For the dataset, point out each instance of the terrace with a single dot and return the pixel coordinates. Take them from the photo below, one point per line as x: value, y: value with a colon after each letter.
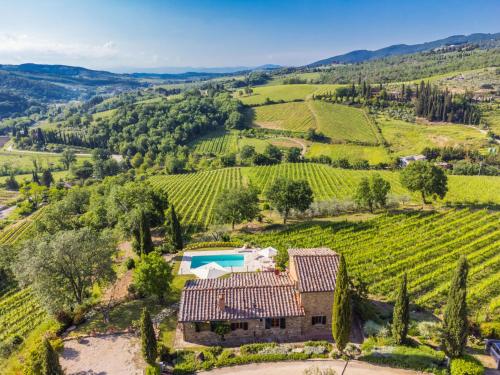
x: 233, y: 260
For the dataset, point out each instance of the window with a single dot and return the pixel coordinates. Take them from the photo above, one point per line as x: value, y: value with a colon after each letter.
x: 239, y: 325
x: 275, y: 322
x: 202, y: 326
x: 320, y: 319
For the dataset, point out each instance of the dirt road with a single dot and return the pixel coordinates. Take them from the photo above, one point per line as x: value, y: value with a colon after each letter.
x: 298, y: 367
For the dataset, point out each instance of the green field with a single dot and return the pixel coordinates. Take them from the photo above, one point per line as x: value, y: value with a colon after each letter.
x: 342, y: 123
x: 286, y: 93
x: 406, y: 138
x: 490, y: 115
x: 288, y: 116
x: 216, y: 143
x: 194, y: 194
x: 22, y: 162
x: 374, y: 154
x: 424, y: 245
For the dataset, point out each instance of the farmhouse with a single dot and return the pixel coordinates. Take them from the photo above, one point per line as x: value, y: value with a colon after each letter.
x: 263, y: 306
x: 406, y: 160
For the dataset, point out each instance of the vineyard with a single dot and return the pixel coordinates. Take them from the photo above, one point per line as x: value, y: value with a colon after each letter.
x: 424, y: 245
x: 216, y: 144
x: 20, y: 311
x: 343, y: 123
x: 351, y: 152
x: 294, y: 116
x: 194, y: 195
x: 7, y: 196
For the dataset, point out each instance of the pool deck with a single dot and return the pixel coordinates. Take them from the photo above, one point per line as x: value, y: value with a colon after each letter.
x: 253, y: 261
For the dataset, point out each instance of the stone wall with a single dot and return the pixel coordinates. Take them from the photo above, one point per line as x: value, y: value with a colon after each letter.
x: 256, y: 332
x: 317, y: 304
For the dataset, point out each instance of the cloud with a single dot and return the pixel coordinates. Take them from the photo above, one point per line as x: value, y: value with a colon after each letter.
x: 18, y: 48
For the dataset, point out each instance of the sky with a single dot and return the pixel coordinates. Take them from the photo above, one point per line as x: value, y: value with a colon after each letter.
x: 137, y: 35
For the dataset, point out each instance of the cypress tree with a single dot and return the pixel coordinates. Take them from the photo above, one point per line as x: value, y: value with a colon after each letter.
x: 50, y: 360
x: 143, y: 243
x: 148, y: 338
x: 35, y: 177
x: 175, y: 229
x: 341, y: 312
x: 455, y: 315
x: 401, y: 315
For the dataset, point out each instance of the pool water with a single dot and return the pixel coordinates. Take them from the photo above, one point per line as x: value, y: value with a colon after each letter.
x: 228, y: 260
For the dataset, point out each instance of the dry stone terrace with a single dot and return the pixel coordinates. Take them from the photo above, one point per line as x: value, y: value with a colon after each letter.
x: 277, y: 306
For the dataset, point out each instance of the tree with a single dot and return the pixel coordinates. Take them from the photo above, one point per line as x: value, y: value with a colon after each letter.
x: 68, y: 158
x: 175, y: 229
x: 285, y: 195
x: 50, y: 360
x: 47, y: 178
x: 426, y: 178
x: 380, y: 188
x: 401, y: 315
x: 62, y: 268
x: 293, y: 155
x: 273, y: 153
x: 455, y: 322
x: 364, y: 196
x: 237, y: 205
x: 341, y: 312
x: 152, y: 276
x: 141, y: 232
x: 148, y: 338
x: 11, y: 183
x: 247, y: 152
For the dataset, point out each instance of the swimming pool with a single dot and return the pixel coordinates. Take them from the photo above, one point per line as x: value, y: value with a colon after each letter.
x: 224, y: 260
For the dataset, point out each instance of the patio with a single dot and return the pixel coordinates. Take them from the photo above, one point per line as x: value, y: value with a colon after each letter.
x: 254, y: 260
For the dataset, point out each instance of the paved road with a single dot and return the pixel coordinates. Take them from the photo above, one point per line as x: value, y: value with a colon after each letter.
x: 298, y: 367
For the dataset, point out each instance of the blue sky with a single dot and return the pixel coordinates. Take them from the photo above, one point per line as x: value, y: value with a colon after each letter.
x: 129, y: 34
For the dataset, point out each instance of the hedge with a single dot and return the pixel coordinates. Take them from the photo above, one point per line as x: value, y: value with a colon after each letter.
x: 467, y: 365
x: 200, y: 245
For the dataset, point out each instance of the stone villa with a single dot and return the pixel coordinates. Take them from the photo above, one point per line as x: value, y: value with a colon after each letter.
x: 264, y: 306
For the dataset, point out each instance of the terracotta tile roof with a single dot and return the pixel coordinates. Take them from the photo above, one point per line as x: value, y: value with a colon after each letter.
x: 316, y: 269
x: 246, y: 296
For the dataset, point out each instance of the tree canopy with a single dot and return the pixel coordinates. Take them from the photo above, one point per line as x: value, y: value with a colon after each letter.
x: 425, y: 178
x: 237, y: 205
x: 285, y: 195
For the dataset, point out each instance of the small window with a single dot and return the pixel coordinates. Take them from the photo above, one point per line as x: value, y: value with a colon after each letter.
x: 320, y: 319
x: 275, y: 323
x: 239, y: 325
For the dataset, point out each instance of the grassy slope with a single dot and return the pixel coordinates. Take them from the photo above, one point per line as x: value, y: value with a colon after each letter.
x: 342, y: 123
x: 24, y: 160
x: 374, y: 154
x: 284, y: 92
x: 288, y: 116
x: 407, y: 138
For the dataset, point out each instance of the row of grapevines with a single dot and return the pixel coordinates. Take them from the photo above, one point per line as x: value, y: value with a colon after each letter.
x: 423, y: 245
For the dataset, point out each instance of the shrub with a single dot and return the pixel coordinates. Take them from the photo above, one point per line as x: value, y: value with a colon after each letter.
x: 65, y: 318
x: 279, y: 349
x: 490, y: 330
x: 255, y: 348
x: 153, y: 370
x: 370, y: 328
x: 466, y: 365
x: 314, y: 370
x: 199, y: 245
x: 323, y: 343
x: 428, y: 330
x: 130, y: 263
x: 319, y: 349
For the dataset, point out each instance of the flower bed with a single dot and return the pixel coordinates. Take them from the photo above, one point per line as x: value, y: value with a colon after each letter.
x: 187, y: 362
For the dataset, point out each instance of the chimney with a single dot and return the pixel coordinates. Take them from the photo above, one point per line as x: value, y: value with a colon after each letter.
x: 221, y: 303
x: 276, y: 271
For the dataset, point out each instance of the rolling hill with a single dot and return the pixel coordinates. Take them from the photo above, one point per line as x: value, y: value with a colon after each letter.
x: 405, y: 49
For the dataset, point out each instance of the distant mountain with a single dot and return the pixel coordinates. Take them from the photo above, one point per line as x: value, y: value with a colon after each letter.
x: 176, y: 70
x: 404, y: 49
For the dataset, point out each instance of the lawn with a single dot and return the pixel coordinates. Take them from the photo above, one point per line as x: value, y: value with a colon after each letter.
x: 342, y: 123
x: 407, y: 138
x: 288, y: 116
x: 374, y: 154
x: 286, y: 93
x: 22, y: 162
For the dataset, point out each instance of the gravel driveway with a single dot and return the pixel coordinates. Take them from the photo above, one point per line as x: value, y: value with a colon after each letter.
x: 298, y: 367
x: 103, y: 355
